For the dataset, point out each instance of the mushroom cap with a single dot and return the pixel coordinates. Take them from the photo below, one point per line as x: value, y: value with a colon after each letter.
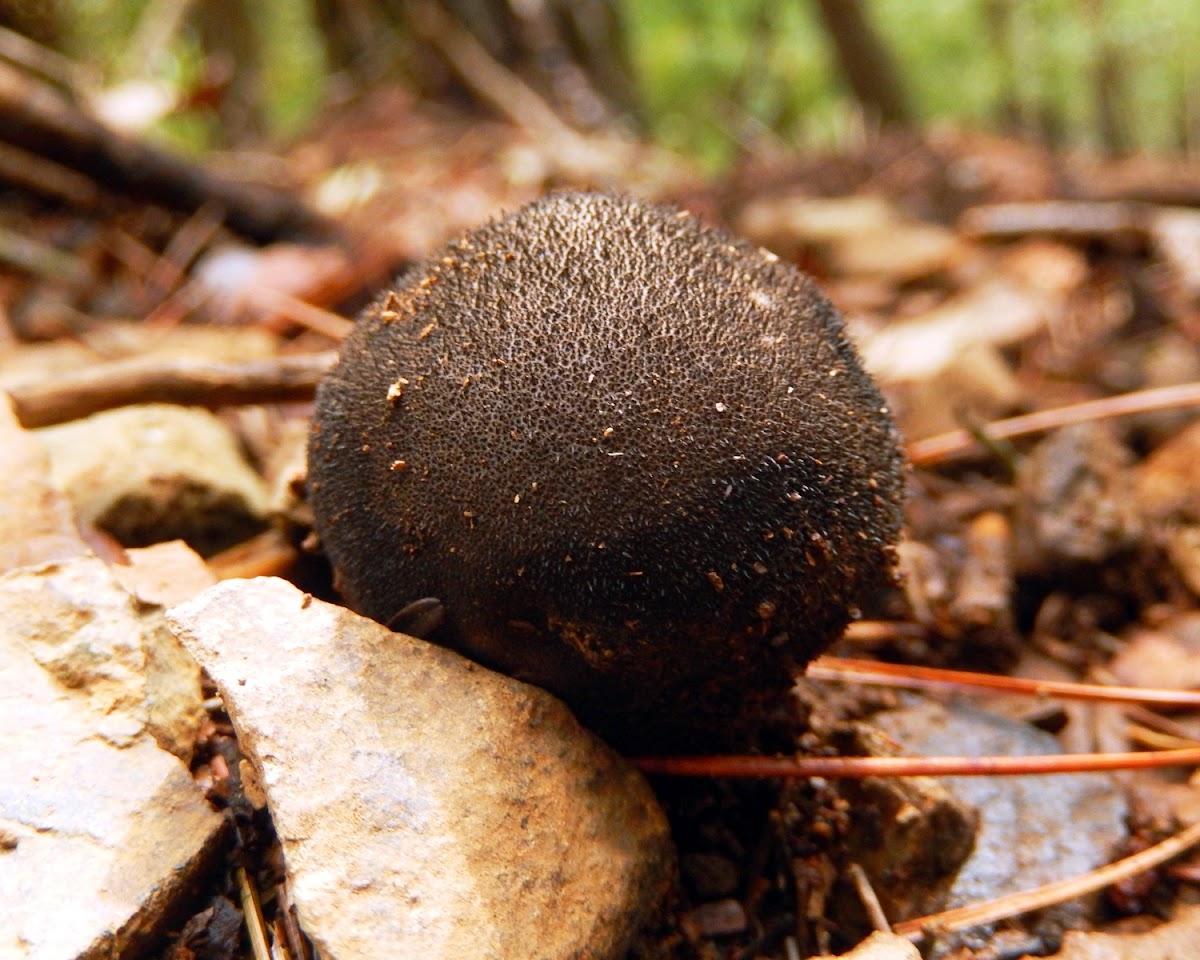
x: 635, y: 458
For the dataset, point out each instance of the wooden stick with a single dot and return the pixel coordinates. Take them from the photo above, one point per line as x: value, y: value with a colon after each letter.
x: 1071, y: 219
x: 38, y: 118
x: 70, y: 396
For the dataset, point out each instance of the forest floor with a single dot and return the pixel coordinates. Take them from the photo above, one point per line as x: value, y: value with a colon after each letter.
x: 982, y: 279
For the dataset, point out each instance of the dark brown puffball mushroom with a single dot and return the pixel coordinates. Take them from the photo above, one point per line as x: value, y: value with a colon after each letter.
x: 634, y: 459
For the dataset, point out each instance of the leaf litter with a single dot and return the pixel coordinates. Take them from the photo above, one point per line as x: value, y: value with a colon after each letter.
x: 1072, y: 553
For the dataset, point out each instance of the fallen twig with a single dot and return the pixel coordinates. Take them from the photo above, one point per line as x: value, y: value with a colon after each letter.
x: 40, y: 119
x: 156, y: 380
x: 20, y: 251
x: 1070, y: 219
x: 868, y: 897
x: 300, y: 312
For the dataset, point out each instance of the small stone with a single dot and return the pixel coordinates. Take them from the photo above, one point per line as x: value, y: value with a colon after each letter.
x: 709, y: 875
x: 879, y: 946
x: 1032, y: 829
x: 721, y: 918
x: 1077, y: 503
x: 158, y: 472
x: 910, y: 834
x: 422, y: 801
x: 112, y: 650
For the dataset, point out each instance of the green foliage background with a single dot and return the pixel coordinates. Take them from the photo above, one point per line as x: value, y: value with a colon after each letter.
x: 716, y: 74
x: 717, y: 77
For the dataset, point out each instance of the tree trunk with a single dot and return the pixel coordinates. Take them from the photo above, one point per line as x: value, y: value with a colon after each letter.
x: 866, y: 62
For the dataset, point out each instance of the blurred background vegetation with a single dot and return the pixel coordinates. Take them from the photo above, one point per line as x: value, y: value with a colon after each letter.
x: 712, y: 80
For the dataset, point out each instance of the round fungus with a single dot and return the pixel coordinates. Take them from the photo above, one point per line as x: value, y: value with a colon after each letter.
x: 634, y: 459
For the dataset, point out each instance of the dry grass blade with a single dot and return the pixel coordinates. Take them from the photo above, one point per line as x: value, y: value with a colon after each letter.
x: 1002, y: 907
x: 914, y: 677
x: 255, y: 926
x: 304, y: 314
x: 946, y: 446
x: 867, y: 897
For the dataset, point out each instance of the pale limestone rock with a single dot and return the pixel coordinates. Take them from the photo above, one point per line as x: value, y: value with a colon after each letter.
x: 427, y: 807
x: 164, y: 574
x: 157, y: 472
x: 879, y: 946
x: 1172, y: 940
x: 36, y: 522
x: 100, y: 840
x: 157, y: 577
x: 111, y: 650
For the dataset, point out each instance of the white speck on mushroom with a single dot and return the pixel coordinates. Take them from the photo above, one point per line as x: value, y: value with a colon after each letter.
x: 396, y: 390
x: 720, y: 407
x: 760, y: 299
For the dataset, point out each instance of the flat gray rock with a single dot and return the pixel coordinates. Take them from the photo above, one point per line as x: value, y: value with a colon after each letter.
x: 1033, y: 829
x: 427, y: 807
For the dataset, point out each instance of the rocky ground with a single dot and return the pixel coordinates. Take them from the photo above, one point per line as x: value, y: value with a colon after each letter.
x: 323, y: 783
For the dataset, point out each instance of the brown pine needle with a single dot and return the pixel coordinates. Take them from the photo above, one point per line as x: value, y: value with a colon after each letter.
x: 990, y: 911
x: 859, y: 767
x: 945, y: 446
x: 914, y: 677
